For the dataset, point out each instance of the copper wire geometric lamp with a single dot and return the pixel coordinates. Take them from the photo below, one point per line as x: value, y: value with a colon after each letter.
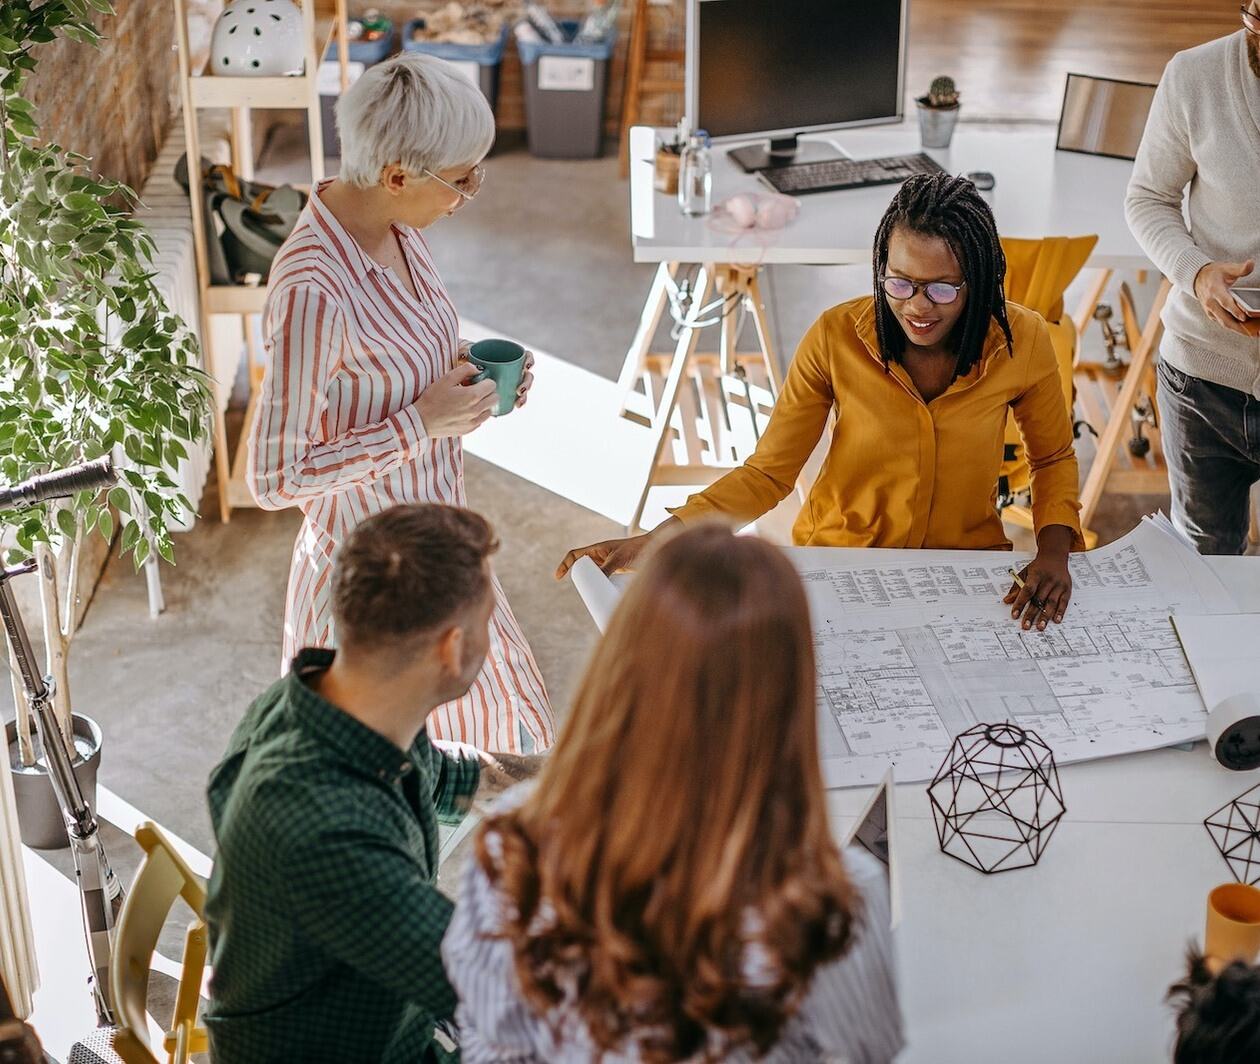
x: 1235, y: 829
x: 996, y: 798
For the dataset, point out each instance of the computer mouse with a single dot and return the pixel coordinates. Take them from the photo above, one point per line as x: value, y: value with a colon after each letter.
x: 982, y: 179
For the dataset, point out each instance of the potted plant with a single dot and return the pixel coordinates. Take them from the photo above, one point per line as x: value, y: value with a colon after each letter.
x: 938, y: 113
x: 92, y: 362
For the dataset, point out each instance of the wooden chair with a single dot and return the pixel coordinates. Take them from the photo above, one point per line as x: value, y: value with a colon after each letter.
x: 1038, y: 272
x: 163, y: 877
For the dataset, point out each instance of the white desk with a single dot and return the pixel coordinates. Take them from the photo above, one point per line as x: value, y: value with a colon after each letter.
x: 1068, y: 960
x: 1039, y: 192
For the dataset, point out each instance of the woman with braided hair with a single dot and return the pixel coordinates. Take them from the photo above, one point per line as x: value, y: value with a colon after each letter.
x: 920, y: 376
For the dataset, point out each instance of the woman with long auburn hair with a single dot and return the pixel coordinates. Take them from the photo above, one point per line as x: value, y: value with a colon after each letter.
x: 668, y: 889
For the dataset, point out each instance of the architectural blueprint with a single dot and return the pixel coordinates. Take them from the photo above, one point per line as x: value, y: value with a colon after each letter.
x: 914, y: 647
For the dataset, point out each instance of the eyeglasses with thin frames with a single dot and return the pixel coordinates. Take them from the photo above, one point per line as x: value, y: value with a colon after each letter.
x: 941, y: 293
x: 1250, y: 20
x: 467, y: 186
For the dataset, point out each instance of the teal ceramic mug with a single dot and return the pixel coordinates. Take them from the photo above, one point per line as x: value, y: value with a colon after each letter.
x: 503, y: 362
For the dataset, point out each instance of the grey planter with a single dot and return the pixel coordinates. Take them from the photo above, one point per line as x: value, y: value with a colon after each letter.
x: 936, y: 125
x: 39, y: 817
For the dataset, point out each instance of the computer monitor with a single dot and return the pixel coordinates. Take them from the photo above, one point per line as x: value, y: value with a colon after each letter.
x: 758, y: 70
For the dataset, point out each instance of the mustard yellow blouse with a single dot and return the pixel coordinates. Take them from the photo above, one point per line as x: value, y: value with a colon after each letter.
x: 900, y: 472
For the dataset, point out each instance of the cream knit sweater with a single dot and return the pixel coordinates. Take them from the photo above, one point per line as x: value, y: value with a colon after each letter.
x: 1203, y: 132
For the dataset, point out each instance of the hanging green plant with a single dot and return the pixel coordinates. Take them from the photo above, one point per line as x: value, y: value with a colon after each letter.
x: 91, y: 358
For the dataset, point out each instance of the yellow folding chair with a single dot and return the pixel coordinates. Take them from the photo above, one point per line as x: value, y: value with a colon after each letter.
x: 164, y: 876
x: 1038, y: 272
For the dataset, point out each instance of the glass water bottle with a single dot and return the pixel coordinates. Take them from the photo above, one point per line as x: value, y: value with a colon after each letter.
x: 695, y: 175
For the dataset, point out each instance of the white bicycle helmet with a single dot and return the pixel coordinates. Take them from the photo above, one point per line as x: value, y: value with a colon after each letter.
x: 258, y: 38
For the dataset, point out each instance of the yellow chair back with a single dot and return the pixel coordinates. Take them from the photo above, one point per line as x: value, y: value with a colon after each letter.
x: 164, y: 876
x: 1038, y: 272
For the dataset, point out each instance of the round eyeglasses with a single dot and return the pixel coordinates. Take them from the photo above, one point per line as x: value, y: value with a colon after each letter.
x: 467, y: 186
x: 1250, y: 20
x: 939, y: 292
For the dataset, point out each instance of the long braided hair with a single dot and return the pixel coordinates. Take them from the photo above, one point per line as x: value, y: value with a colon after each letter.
x: 949, y: 207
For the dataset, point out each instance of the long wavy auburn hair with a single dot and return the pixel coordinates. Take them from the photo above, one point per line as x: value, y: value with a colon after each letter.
x: 672, y: 879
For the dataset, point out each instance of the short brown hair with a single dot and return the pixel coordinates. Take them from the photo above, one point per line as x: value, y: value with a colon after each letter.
x: 409, y: 570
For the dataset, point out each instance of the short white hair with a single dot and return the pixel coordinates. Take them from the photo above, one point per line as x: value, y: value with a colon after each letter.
x: 414, y: 110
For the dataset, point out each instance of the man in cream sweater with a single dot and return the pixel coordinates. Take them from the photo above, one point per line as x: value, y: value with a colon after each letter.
x: 1201, y: 151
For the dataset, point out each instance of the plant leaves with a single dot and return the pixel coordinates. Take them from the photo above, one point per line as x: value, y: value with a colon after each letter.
x: 65, y: 522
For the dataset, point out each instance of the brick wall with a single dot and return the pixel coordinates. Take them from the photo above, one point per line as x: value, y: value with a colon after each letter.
x: 112, y: 104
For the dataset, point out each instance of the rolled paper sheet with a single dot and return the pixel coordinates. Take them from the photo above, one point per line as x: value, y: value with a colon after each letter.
x: 597, y: 591
x: 1233, y: 924
x: 1233, y: 731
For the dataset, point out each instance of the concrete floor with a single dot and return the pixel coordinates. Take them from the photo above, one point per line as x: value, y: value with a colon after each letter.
x: 542, y: 254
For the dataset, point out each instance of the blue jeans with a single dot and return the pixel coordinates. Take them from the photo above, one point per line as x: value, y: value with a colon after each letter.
x: 1211, y: 437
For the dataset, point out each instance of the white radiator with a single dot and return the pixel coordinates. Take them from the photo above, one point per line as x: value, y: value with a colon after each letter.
x: 166, y: 214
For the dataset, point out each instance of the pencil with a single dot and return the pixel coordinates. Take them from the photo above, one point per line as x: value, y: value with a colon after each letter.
x: 1019, y: 582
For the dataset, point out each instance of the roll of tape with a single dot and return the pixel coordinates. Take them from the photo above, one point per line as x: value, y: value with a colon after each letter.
x: 1233, y: 731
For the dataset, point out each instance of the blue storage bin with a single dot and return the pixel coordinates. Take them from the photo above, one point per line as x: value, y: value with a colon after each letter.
x: 565, y: 87
x: 487, y: 57
x: 366, y: 52
x: 531, y: 51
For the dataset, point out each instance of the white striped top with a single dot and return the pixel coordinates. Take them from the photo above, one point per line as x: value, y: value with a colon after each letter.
x: 337, y: 430
x: 850, y: 1012
x: 337, y: 434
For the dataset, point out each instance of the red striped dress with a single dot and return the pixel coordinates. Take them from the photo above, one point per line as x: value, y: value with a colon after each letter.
x: 337, y: 435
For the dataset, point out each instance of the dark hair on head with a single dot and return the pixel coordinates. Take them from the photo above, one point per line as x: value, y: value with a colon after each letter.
x: 1218, y: 1017
x: 407, y: 571
x: 948, y: 207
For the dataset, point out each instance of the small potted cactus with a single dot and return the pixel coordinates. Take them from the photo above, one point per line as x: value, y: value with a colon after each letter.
x: 938, y: 113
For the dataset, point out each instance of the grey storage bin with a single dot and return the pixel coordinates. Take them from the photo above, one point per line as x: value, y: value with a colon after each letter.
x: 565, y: 88
x: 361, y: 55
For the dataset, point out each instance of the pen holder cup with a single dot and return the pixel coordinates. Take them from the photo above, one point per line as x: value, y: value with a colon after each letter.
x: 665, y: 177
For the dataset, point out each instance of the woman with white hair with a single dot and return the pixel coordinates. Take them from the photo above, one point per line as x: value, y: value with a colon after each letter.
x: 366, y: 393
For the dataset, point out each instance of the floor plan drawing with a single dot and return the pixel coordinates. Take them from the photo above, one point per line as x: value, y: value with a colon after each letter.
x: 909, y: 655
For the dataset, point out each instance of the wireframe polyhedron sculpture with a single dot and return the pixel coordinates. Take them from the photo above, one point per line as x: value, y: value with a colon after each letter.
x: 996, y: 798
x: 1235, y: 829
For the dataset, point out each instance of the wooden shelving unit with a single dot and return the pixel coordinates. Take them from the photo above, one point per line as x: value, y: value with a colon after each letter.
x: 322, y: 22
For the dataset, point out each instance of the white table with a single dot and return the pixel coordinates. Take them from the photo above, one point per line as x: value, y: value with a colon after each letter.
x: 1068, y: 960
x: 1039, y: 192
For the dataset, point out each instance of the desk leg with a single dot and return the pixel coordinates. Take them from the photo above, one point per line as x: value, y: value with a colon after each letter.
x: 663, y: 415
x: 762, y: 323
x: 649, y: 321
x: 1134, y: 379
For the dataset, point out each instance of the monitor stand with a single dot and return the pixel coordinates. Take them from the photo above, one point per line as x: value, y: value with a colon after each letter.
x: 789, y: 151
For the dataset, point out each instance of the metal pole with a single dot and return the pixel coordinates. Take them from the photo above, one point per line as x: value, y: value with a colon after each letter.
x: 100, y: 892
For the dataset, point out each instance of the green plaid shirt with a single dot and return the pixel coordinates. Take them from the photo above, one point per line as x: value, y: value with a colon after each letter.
x: 325, y: 925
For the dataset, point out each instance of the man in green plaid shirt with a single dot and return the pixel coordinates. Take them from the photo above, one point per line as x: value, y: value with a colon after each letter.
x: 325, y: 925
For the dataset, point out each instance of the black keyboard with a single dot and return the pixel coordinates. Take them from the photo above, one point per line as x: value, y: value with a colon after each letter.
x: 802, y: 178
